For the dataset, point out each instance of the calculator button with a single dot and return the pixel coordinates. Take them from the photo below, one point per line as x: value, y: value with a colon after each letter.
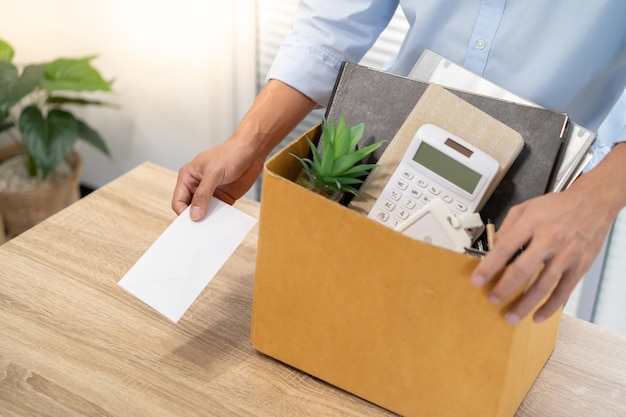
x: 426, y: 199
x: 415, y: 193
x: 460, y: 206
x: 396, y: 195
x: 434, y: 190
x: 447, y: 198
x: 422, y: 182
x: 389, y: 205
x: 407, y: 174
x: 408, y: 203
x: 382, y: 216
x: 402, y: 184
x: 403, y: 214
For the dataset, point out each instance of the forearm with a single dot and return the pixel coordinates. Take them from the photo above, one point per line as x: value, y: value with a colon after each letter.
x: 606, y: 183
x: 276, y: 111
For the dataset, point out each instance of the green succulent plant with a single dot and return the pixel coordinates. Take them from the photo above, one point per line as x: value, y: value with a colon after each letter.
x: 337, y: 168
x: 32, y: 105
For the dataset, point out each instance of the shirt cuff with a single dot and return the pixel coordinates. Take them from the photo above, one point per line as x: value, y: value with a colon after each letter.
x: 310, y: 69
x: 621, y: 138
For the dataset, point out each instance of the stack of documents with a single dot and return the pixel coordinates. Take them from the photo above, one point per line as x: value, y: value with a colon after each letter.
x: 433, y: 68
x: 384, y: 102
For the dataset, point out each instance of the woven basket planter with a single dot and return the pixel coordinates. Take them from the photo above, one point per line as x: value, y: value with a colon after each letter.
x: 22, y: 209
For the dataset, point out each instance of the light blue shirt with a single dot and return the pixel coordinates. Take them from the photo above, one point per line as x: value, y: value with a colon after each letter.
x: 565, y: 55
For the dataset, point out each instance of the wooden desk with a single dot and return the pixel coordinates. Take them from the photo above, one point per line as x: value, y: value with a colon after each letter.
x: 73, y: 343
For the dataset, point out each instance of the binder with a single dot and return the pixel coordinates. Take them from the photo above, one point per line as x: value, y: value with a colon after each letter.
x: 383, y: 101
x: 434, y: 68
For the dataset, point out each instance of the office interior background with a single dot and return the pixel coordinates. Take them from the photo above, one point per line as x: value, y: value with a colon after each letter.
x: 184, y: 76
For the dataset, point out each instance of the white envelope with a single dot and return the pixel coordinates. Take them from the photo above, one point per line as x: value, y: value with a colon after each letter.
x: 172, y: 273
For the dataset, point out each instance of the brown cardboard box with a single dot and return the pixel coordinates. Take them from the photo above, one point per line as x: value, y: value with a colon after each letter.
x: 387, y: 318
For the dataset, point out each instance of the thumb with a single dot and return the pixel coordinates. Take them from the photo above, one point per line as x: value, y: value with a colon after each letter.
x: 201, y: 198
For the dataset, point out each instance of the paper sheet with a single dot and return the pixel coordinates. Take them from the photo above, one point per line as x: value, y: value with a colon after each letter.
x: 172, y: 273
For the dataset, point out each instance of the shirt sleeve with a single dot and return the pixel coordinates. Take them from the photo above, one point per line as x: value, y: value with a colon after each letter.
x: 324, y: 34
x: 611, y: 132
x: 621, y: 137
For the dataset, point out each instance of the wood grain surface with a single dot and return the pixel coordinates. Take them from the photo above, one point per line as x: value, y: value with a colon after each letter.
x: 74, y: 343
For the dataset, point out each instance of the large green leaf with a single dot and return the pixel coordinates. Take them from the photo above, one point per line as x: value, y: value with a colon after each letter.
x: 73, y: 75
x: 26, y: 84
x: 14, y: 88
x: 8, y: 73
x: 92, y: 137
x: 60, y: 100
x: 6, y: 51
x: 48, y: 140
x: 8, y: 76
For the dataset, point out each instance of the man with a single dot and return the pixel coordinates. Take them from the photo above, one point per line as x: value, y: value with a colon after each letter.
x: 565, y: 55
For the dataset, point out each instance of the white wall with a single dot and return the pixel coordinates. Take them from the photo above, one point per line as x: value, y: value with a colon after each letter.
x: 184, y: 71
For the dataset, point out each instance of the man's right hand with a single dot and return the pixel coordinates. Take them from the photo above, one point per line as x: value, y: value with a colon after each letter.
x: 230, y: 169
x: 226, y: 172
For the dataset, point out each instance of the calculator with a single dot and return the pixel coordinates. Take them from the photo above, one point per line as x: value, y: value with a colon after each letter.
x: 436, y: 164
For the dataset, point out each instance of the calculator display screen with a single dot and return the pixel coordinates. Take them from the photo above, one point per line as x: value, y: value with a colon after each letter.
x: 447, y: 167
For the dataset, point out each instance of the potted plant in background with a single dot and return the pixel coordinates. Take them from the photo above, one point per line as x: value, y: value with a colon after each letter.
x: 40, y: 170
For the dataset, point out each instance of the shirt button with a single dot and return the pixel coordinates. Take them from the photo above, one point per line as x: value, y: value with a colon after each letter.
x: 480, y: 44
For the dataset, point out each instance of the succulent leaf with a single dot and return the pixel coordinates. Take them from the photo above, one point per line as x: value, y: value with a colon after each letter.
x: 328, y: 158
x: 348, y: 180
x: 334, y: 165
x: 359, y: 170
x: 342, y: 132
x: 306, y: 164
x: 368, y: 149
x: 317, y: 158
x: 342, y: 143
x: 357, y: 134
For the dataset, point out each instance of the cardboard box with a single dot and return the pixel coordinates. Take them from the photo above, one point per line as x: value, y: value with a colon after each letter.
x: 387, y: 318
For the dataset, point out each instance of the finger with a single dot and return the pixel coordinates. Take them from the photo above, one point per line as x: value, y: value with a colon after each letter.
x: 560, y: 294
x: 500, y: 255
x: 545, y: 284
x: 200, y: 204
x: 553, y: 285
x: 212, y: 178
x: 519, y: 272
x: 183, y: 192
x: 230, y: 193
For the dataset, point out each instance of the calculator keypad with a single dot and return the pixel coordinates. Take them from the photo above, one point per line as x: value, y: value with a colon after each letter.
x: 406, y: 193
